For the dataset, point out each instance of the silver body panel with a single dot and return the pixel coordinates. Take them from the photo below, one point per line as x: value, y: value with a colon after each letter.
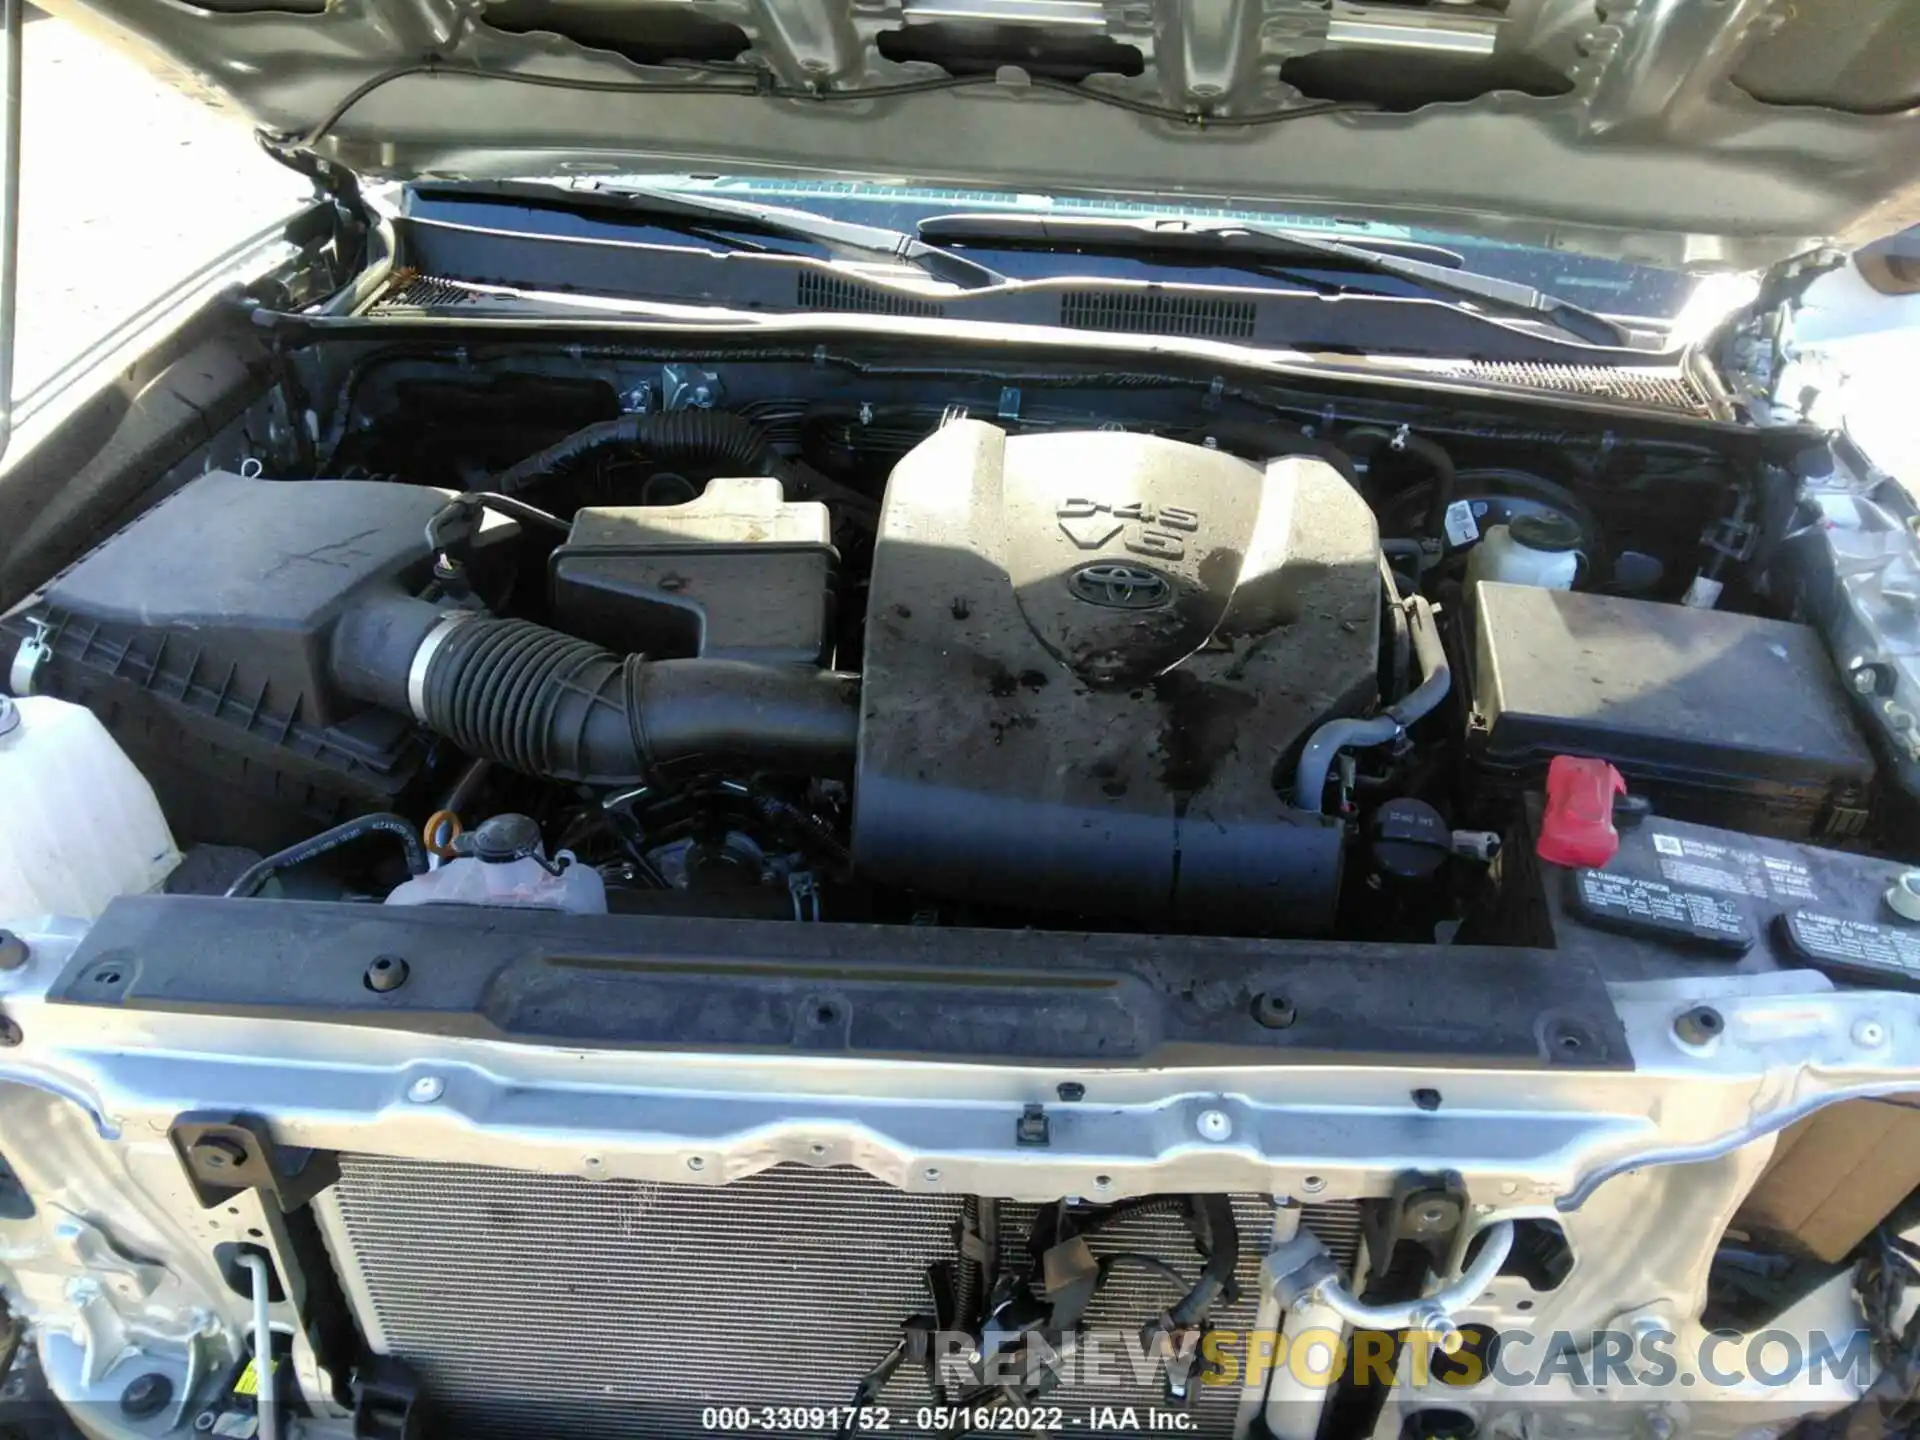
x: 1641, y: 1168
x: 1644, y: 138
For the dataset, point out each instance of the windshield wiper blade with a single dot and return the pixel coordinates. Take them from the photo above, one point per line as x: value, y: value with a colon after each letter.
x: 1203, y: 237
x: 844, y: 235
x: 700, y: 215
x: 1431, y: 268
x: 1487, y: 291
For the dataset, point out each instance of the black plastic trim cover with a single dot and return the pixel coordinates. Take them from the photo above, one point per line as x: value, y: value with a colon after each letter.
x: 857, y: 990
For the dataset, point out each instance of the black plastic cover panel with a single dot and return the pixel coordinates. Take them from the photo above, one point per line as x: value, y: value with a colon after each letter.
x: 1721, y: 718
x: 255, y: 571
x: 918, y: 992
x: 1088, y: 657
x: 737, y: 573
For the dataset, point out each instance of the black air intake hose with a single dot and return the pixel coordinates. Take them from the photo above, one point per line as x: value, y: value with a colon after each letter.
x: 550, y: 705
x: 704, y: 438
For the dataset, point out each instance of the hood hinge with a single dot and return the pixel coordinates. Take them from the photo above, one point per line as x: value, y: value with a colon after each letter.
x: 337, y: 189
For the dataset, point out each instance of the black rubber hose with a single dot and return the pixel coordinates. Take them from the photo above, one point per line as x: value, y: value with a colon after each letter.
x: 1215, y: 1232
x: 1222, y: 1238
x: 457, y: 521
x: 1438, y: 462
x: 314, y: 846
x: 705, y: 438
x: 547, y: 704
x: 1258, y: 441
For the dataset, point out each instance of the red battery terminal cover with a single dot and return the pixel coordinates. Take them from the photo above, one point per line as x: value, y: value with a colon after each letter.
x: 1578, y: 827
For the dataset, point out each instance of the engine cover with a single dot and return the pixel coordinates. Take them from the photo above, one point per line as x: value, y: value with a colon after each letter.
x: 1090, y: 656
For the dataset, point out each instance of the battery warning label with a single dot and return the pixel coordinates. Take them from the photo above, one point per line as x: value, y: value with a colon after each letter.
x: 1831, y: 940
x: 1732, y: 870
x: 1648, y: 907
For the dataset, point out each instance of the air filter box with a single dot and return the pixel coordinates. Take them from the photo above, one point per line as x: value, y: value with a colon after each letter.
x: 1724, y: 719
x: 199, y: 636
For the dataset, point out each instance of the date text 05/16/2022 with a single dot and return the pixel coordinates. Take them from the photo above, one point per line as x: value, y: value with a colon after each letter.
x: 878, y: 1419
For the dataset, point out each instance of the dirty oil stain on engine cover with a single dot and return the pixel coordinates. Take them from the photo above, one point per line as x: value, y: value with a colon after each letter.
x: 1087, y: 657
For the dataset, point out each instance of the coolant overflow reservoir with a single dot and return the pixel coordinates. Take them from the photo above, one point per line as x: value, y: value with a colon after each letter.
x: 78, y: 823
x: 501, y: 864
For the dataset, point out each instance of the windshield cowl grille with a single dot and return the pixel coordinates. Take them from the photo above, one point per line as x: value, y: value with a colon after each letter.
x: 817, y: 290
x: 1154, y: 312
x: 1654, y: 389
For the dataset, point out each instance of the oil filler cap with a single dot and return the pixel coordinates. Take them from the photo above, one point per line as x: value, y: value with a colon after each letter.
x: 1409, y: 839
x: 1578, y: 826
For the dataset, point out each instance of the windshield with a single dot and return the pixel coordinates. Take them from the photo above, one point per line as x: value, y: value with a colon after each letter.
x: 1607, y: 286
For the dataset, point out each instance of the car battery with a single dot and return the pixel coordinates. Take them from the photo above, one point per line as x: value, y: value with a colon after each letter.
x: 1680, y: 899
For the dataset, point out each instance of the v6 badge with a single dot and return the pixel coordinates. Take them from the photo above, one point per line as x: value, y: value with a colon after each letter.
x: 1141, y: 528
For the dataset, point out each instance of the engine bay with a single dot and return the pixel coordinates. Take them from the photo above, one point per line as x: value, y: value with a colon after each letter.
x: 1091, y: 660
x: 1225, y: 862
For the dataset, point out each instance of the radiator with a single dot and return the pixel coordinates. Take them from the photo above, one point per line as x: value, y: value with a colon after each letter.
x: 550, y: 1305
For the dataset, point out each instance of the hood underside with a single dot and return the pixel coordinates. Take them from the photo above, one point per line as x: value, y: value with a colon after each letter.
x: 1705, y: 133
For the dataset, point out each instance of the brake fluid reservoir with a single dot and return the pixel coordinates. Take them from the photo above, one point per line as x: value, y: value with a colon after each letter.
x: 78, y: 823
x: 1534, y: 549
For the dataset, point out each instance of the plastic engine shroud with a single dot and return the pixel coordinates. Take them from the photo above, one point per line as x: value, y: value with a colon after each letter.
x: 1089, y: 656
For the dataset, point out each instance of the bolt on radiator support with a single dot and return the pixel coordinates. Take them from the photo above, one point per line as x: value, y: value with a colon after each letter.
x: 1789, y: 1044
x: 118, y: 1335
x: 1648, y: 1162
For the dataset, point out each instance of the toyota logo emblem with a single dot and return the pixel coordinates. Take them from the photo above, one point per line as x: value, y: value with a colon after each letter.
x: 1120, y: 587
